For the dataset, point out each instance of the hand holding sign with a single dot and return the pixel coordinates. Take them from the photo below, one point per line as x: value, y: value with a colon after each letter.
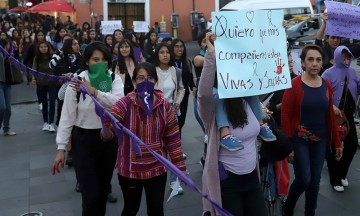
x: 210, y: 38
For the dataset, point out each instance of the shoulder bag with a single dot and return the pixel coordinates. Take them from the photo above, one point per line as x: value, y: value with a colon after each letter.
x: 343, y: 126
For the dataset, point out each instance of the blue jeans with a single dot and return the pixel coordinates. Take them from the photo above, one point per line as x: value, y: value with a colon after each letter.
x: 220, y: 114
x: 196, y: 110
x: 308, y: 162
x: 5, y: 106
x: 48, y: 114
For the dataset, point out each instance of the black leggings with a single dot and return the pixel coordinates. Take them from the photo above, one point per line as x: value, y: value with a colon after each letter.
x: 94, y: 162
x: 154, y: 191
x: 338, y: 169
x: 242, y: 195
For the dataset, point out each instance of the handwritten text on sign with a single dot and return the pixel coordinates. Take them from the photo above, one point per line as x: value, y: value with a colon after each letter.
x: 251, y: 52
x: 343, y: 21
x: 108, y: 27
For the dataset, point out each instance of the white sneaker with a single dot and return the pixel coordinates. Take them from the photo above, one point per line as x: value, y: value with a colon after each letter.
x: 339, y: 188
x: 40, y: 106
x: 45, y: 127
x: 344, y: 182
x: 179, y: 189
x: 51, y: 127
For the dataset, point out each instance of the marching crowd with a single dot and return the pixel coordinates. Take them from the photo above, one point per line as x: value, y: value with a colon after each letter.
x: 146, y: 81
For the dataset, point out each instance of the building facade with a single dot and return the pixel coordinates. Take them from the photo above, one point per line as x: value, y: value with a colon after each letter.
x: 146, y: 10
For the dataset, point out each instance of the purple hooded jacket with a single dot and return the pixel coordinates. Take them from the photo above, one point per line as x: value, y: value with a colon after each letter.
x: 337, y: 75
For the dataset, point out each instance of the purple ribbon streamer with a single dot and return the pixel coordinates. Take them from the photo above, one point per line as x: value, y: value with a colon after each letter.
x: 120, y: 129
x: 53, y: 78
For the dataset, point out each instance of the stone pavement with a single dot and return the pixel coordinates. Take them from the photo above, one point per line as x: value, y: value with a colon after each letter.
x: 26, y: 183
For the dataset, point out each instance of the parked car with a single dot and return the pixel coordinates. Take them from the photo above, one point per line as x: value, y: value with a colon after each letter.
x: 307, y: 28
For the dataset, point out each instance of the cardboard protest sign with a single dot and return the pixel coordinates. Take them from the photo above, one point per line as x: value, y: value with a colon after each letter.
x: 251, y: 54
x: 343, y: 20
x: 141, y: 26
x: 108, y: 27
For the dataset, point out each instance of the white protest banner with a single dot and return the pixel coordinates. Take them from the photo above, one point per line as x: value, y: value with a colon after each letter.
x: 343, y: 20
x: 108, y: 27
x: 251, y: 54
x: 141, y: 26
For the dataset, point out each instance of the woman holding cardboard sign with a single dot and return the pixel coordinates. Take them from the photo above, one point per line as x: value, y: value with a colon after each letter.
x: 230, y: 177
x: 330, y: 43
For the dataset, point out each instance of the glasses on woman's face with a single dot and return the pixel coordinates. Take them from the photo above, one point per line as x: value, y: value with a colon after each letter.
x: 142, y: 78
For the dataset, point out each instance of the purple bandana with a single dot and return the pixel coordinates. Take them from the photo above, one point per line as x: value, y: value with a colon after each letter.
x: 145, y: 90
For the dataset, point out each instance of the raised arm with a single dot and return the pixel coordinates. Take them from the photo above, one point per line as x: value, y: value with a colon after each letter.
x: 321, y: 31
x: 206, y: 103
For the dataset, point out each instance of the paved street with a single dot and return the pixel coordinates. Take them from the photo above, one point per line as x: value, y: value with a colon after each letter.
x: 26, y: 183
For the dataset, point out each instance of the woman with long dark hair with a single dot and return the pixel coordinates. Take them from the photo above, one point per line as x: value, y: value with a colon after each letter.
x: 58, y: 38
x: 29, y: 57
x: 70, y: 62
x: 135, y: 46
x: 117, y: 36
x: 125, y: 65
x: 94, y: 158
x: 149, y: 47
x: 44, y: 86
x: 83, y: 40
x: 170, y: 83
x: 236, y: 188
x: 92, y: 36
x: 25, y: 43
x: 184, y: 64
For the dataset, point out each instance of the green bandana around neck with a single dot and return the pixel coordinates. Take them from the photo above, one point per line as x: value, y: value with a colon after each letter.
x: 100, y: 77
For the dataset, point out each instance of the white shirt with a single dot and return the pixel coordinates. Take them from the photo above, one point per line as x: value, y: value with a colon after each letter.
x: 83, y: 114
x: 168, y: 85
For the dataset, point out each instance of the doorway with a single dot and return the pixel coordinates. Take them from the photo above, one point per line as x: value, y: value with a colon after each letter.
x: 127, y: 13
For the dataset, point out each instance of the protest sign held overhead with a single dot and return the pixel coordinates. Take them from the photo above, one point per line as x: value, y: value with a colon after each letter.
x: 343, y: 20
x: 141, y: 26
x: 108, y: 27
x: 251, y: 53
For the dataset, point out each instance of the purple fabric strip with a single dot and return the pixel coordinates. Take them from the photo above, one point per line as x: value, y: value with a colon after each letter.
x: 120, y: 129
x: 54, y: 79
